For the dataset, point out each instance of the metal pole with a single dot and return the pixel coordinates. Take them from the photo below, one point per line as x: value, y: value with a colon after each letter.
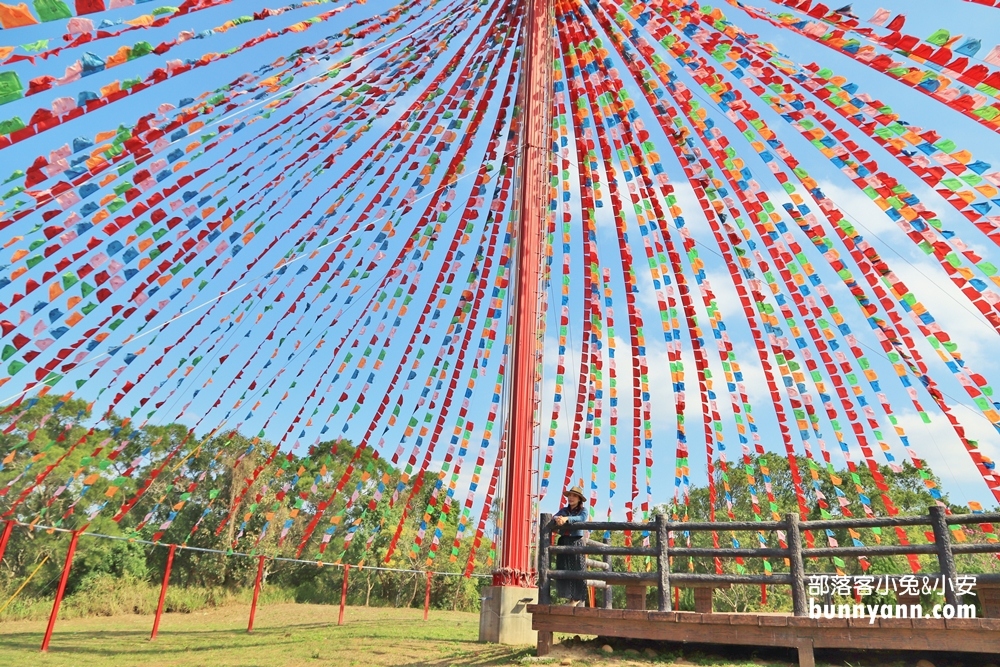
x: 60, y: 591
x: 946, y: 559
x: 5, y: 538
x: 514, y: 566
x: 796, y: 565
x: 256, y: 592
x: 427, y: 597
x: 343, y: 595
x: 163, y: 592
x: 663, y: 564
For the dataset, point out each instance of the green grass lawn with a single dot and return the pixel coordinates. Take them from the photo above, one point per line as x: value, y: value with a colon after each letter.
x: 284, y: 634
x: 301, y: 634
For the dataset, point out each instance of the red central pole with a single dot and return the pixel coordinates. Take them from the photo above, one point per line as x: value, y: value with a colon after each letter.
x: 515, y: 566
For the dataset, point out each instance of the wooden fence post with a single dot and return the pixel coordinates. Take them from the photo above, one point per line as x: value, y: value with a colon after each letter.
x: 544, y: 542
x: 163, y: 592
x: 796, y: 566
x: 343, y: 596
x: 946, y: 559
x: 60, y: 591
x: 256, y: 591
x: 608, y: 590
x: 663, y: 564
x: 427, y: 597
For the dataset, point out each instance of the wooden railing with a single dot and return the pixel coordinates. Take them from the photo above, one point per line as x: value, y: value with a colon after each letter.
x: 662, y: 578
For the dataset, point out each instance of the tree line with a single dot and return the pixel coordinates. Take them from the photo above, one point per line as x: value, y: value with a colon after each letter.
x: 228, y: 492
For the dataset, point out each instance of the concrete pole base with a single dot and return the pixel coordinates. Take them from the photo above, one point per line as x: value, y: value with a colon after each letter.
x: 504, y: 618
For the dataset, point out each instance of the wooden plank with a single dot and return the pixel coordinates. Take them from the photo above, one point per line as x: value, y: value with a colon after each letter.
x: 968, y: 635
x: 561, y: 610
x: 765, y: 620
x: 963, y: 624
x: 716, y: 619
x: 663, y: 616
x: 690, y: 617
x: 743, y: 619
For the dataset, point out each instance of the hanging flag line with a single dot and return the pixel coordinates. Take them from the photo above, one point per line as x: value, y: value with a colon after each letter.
x: 333, y: 357
x: 501, y: 194
x: 975, y: 106
x: 427, y: 128
x: 452, y: 330
x: 959, y: 431
x: 285, y: 531
x: 81, y: 31
x: 244, y: 85
x: 785, y: 354
x: 591, y: 368
x: 691, y: 247
x: 91, y: 63
x: 645, y: 187
x: 869, y: 373
x: 650, y: 162
x: 597, y: 92
x: 901, y: 206
x: 20, y: 16
x: 589, y: 201
x: 14, y: 130
x: 455, y: 166
x: 641, y: 430
x: 559, y: 200
x: 990, y: 531
x: 786, y: 264
x: 93, y: 242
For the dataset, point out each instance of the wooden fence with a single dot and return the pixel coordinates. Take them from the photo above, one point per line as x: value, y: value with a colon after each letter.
x: 662, y: 578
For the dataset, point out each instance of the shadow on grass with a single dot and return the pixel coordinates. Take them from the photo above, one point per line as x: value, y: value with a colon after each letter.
x: 118, y: 643
x: 497, y: 655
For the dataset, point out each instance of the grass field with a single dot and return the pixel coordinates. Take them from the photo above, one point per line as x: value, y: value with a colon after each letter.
x: 299, y: 634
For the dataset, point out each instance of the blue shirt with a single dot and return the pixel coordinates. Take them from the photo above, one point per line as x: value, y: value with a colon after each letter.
x: 580, y: 515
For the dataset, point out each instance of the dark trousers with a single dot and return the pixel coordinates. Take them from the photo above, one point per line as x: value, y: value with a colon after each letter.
x: 568, y: 588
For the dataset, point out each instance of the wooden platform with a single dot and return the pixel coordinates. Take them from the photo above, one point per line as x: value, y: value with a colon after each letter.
x: 981, y: 635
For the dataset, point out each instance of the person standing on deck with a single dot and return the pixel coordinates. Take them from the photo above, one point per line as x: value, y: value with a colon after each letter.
x: 575, y: 511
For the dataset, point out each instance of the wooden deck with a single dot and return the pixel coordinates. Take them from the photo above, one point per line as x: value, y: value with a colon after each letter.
x: 981, y: 635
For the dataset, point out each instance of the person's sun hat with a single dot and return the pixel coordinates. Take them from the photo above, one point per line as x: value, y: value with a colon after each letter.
x: 576, y: 490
